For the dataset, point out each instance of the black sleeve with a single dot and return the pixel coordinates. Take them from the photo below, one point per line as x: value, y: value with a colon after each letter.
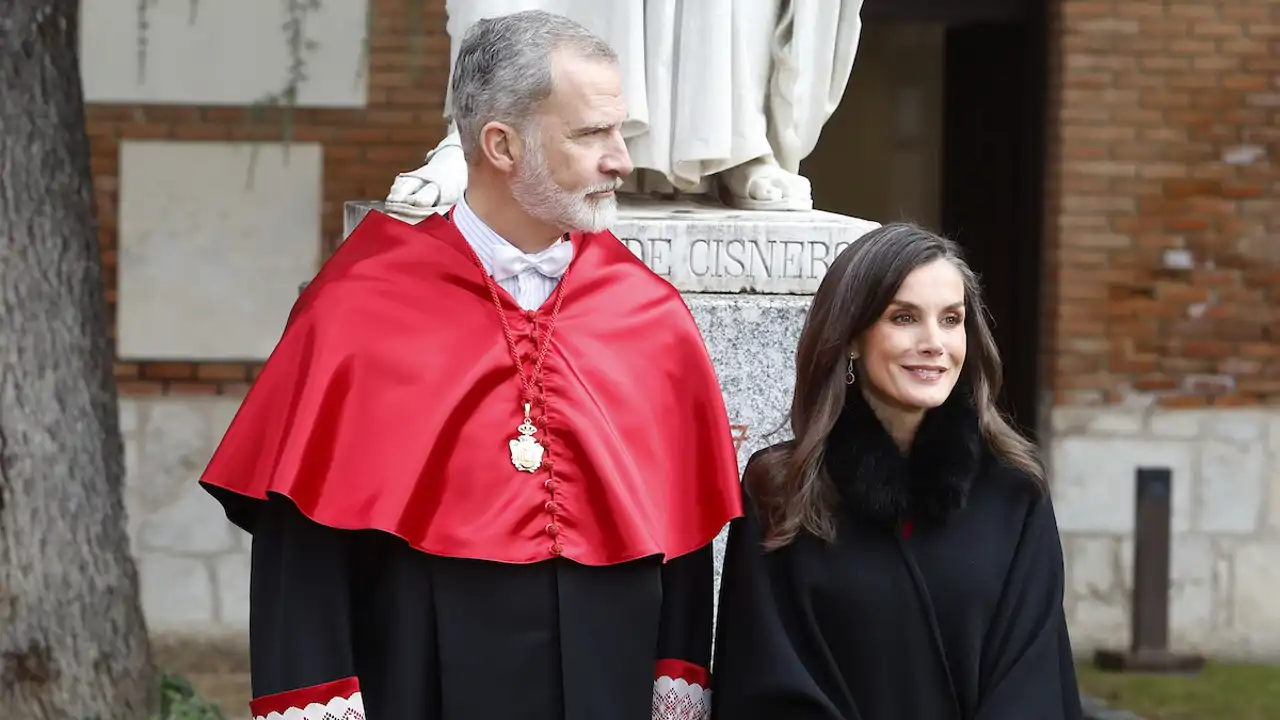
x: 300, y: 612
x: 760, y: 672
x: 682, y: 672
x: 684, y: 633
x: 1027, y: 668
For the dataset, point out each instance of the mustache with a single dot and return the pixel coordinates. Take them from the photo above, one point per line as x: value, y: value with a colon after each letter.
x: 613, y: 184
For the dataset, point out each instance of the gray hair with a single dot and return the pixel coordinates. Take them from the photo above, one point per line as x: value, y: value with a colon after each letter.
x: 503, y: 69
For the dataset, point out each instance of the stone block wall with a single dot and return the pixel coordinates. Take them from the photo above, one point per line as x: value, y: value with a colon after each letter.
x: 1225, y: 523
x: 193, y: 564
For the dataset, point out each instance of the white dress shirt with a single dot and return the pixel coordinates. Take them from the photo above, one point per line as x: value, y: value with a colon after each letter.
x: 530, y: 287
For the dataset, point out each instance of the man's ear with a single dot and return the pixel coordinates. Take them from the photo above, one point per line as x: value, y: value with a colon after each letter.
x: 499, y: 146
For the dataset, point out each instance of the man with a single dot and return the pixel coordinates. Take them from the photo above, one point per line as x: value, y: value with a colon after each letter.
x: 484, y: 465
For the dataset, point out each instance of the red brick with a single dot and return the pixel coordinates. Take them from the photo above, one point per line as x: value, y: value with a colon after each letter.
x: 1205, y: 349
x: 139, y: 388
x: 125, y: 371
x: 1237, y: 400
x: 1260, y: 387
x: 1182, y: 402
x: 168, y: 370
x: 190, y: 388
x: 222, y: 371
x: 1155, y: 384
x: 234, y: 389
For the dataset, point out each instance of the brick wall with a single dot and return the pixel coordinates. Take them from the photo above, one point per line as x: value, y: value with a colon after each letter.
x: 1164, y: 136
x: 363, y: 151
x: 1164, y: 142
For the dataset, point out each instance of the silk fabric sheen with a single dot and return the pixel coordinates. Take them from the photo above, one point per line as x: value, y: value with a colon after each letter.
x: 391, y: 397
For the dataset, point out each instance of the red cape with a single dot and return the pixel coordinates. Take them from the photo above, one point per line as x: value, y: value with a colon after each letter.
x: 391, y: 397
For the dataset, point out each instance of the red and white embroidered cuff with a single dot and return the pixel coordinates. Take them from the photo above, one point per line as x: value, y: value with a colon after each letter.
x: 337, y: 700
x: 681, y: 691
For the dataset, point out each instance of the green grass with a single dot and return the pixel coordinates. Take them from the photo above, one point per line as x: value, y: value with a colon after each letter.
x: 1220, y: 692
x: 180, y: 701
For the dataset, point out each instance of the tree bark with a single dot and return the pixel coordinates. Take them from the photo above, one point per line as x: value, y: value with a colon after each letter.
x: 73, y: 640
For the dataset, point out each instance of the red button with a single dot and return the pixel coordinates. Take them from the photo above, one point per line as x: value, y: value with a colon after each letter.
x: 549, y: 464
x: 550, y: 485
x: 556, y: 549
x: 553, y: 529
x: 552, y: 507
x: 530, y: 314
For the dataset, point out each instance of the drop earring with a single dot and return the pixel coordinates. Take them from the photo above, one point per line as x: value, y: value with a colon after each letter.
x: 849, y: 376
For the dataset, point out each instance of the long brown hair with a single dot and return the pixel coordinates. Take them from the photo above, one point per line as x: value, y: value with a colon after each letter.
x: 788, y: 482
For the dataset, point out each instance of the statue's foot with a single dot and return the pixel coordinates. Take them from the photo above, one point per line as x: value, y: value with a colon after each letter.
x: 431, y: 188
x: 761, y: 184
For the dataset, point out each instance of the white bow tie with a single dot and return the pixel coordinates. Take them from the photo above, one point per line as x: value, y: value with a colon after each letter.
x: 509, y: 261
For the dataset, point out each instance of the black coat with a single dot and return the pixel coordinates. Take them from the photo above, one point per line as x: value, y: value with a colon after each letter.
x: 941, y: 596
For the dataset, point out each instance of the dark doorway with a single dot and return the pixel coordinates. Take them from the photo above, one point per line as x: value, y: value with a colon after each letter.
x: 943, y: 124
x: 992, y: 194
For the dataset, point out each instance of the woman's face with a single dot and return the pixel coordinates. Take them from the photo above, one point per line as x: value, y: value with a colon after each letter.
x: 910, y: 358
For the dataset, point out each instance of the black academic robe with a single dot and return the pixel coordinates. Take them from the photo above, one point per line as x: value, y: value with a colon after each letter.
x: 941, y: 596
x: 437, y: 638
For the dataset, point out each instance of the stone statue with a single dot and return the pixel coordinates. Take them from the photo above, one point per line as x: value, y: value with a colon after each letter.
x: 725, y: 97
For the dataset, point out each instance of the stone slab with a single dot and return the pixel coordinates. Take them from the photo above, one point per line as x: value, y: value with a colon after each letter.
x: 1255, y: 613
x: 706, y: 248
x: 751, y: 341
x: 1094, y: 480
x: 214, y: 242
x: 1233, y: 486
x: 228, y: 52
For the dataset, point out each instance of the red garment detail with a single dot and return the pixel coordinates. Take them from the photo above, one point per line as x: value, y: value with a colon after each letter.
x: 682, y: 670
x: 390, y: 400
x: 907, y: 525
x: 340, y: 699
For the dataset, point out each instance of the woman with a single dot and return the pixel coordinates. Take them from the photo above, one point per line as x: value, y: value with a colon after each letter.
x: 899, y: 559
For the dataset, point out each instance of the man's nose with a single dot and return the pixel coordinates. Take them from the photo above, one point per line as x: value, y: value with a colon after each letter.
x: 617, y: 159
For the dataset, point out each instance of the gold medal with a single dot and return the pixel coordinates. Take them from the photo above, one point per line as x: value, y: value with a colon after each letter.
x: 526, y: 452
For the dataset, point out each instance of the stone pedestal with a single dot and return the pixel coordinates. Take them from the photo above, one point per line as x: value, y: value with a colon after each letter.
x: 747, y: 278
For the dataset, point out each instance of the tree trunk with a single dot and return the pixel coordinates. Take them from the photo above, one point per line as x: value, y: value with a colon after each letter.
x: 73, y: 641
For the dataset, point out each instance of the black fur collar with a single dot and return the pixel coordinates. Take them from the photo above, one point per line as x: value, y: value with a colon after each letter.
x: 876, y: 482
